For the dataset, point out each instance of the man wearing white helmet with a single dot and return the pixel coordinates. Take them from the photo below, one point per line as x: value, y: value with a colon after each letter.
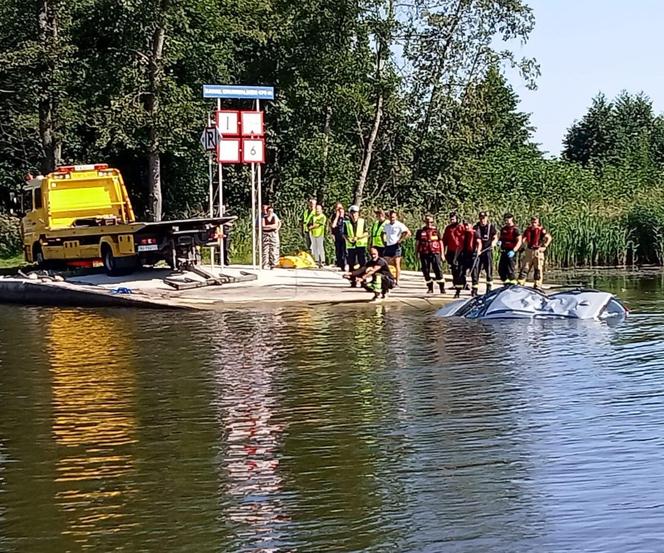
x: 357, y: 237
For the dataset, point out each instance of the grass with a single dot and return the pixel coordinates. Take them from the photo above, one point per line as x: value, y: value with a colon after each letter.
x: 585, y: 233
x: 10, y: 262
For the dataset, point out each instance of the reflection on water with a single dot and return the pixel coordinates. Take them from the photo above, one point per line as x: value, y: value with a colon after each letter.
x: 93, y: 420
x: 245, y: 402
x: 365, y: 428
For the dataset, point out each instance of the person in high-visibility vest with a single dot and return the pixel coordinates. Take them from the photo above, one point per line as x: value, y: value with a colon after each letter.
x: 317, y: 236
x: 307, y: 215
x: 376, y: 234
x: 357, y: 238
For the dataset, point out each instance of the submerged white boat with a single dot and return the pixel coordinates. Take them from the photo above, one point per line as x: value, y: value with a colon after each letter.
x: 518, y: 302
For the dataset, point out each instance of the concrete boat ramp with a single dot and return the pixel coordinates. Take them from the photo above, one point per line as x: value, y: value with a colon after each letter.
x: 215, y: 289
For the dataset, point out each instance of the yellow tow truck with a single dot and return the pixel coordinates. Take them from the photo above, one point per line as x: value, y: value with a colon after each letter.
x: 82, y: 214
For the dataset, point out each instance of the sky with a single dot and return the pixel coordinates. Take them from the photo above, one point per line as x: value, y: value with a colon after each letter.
x: 584, y: 47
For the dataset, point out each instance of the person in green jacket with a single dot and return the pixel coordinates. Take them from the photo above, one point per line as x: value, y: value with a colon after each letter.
x: 357, y: 238
x: 376, y: 233
x: 317, y: 235
x: 305, y: 221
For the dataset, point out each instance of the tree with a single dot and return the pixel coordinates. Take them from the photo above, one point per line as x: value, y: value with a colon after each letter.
x: 450, y: 46
x: 38, y: 53
x: 622, y: 132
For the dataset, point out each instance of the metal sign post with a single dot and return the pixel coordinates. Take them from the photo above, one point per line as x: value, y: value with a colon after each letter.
x: 240, y: 142
x: 221, y: 193
x: 260, y: 203
x: 211, y: 179
x: 254, y: 218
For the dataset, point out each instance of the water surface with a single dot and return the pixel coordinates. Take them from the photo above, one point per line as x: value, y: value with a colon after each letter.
x: 371, y: 428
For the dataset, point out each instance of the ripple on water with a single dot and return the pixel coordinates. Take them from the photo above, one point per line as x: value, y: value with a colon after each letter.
x: 329, y: 429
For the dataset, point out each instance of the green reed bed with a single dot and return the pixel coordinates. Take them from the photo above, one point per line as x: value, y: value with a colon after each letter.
x: 586, y: 233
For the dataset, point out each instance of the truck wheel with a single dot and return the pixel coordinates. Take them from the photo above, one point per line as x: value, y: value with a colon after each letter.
x: 117, y: 266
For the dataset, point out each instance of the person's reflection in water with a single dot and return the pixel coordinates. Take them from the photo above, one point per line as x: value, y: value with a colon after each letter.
x: 249, y: 457
x: 94, y: 423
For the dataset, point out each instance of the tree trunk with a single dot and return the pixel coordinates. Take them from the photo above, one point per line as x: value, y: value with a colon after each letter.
x: 326, y: 151
x: 440, y: 67
x: 48, y: 38
x: 368, y: 152
x: 154, y: 167
x: 384, y: 39
x: 152, y: 107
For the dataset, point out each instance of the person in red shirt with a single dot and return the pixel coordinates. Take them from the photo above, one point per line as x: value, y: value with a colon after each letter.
x: 454, y: 238
x: 537, y: 239
x: 510, y: 243
x: 429, y: 248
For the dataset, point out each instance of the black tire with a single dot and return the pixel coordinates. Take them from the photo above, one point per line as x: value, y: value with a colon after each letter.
x: 118, y: 266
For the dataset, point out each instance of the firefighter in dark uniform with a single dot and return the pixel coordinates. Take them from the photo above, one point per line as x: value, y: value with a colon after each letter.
x: 510, y: 243
x: 472, y: 246
x: 536, y: 239
x: 453, y: 243
x: 488, y: 235
x: 429, y: 249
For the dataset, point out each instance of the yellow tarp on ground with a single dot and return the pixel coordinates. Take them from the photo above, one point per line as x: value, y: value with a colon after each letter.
x: 302, y: 260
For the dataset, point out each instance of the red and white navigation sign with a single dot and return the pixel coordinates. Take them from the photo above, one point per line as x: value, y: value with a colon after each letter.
x: 229, y: 150
x: 228, y: 122
x: 252, y: 123
x: 253, y: 150
x: 231, y: 125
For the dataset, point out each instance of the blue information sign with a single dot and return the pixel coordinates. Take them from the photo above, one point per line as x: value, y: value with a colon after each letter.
x: 236, y: 92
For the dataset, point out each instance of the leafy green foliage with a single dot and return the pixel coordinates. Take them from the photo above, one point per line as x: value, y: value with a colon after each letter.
x: 450, y: 135
x: 10, y: 236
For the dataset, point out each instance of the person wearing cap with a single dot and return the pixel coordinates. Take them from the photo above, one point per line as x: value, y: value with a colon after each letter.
x: 394, y: 233
x: 510, y: 243
x: 305, y: 221
x: 488, y: 236
x: 338, y: 224
x: 376, y: 232
x: 537, y: 240
x: 454, y: 240
x: 357, y: 237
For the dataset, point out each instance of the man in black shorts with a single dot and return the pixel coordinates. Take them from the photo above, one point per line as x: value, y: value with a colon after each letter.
x: 374, y: 277
x: 395, y: 232
x: 488, y: 234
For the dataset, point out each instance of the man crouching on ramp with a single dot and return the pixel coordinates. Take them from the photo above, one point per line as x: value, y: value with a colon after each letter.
x: 374, y: 276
